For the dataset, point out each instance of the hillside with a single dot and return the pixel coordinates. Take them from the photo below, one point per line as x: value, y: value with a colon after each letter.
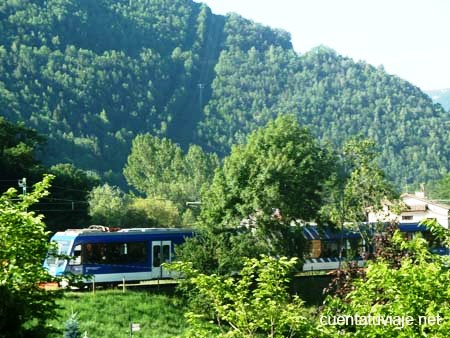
x: 441, y: 96
x: 91, y: 75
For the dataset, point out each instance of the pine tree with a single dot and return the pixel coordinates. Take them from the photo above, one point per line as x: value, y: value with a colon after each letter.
x: 72, y: 329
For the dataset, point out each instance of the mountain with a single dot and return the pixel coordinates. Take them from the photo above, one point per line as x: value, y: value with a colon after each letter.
x: 91, y: 75
x: 441, y: 96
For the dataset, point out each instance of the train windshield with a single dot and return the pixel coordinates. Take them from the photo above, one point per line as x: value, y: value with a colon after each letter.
x: 61, y: 248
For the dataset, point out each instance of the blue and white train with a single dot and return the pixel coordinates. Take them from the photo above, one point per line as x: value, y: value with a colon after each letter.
x: 113, y: 257
x: 329, y: 248
x: 137, y: 254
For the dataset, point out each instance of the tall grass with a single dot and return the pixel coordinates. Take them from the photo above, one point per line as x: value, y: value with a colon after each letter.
x: 107, y: 314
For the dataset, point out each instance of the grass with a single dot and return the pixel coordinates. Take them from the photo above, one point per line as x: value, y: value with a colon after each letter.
x: 107, y: 314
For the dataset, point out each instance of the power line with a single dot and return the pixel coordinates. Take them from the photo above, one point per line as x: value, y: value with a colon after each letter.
x: 59, y: 210
x: 63, y: 199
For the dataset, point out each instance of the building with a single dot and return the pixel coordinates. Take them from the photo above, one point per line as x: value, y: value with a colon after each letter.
x: 416, y: 209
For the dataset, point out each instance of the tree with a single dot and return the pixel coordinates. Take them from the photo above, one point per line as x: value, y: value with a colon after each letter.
x: 111, y: 207
x: 264, y: 185
x: 18, y: 147
x: 68, y: 200
x: 158, y: 168
x: 153, y: 166
x: 366, y: 187
x: 107, y: 206
x: 280, y: 167
x: 440, y: 190
x: 72, y: 329
x: 357, y: 187
x: 152, y: 212
x: 24, y: 247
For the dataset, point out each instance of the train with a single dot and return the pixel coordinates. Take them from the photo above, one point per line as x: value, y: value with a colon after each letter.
x: 105, y: 257
x: 328, y: 248
x: 138, y: 254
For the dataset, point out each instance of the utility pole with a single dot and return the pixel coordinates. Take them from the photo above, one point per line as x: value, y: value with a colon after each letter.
x: 200, y: 87
x: 23, y: 184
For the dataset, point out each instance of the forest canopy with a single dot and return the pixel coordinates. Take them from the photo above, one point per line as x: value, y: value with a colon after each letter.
x: 92, y: 75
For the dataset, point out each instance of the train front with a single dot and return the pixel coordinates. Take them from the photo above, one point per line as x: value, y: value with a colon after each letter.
x: 58, y: 256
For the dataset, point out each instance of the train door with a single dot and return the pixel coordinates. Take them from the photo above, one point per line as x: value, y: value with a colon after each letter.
x: 161, y: 253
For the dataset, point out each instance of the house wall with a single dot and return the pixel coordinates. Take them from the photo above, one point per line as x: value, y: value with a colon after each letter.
x: 421, y: 210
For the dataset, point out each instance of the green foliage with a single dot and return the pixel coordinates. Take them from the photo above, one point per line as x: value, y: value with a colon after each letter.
x: 357, y: 187
x: 158, y: 168
x: 439, y: 232
x: 366, y: 187
x: 18, y: 148
x: 68, y: 199
x: 440, y: 189
x: 274, y: 179
x: 280, y: 167
x: 254, y: 302
x: 152, y: 212
x: 107, y: 206
x: 334, y: 96
x: 24, y: 247
x: 418, y: 287
x: 66, y: 206
x: 91, y: 75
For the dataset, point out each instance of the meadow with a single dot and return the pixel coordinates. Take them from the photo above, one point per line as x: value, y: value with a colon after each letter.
x: 108, y: 313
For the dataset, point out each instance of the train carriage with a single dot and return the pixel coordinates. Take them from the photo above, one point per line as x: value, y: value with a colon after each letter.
x: 325, y: 244
x: 112, y: 257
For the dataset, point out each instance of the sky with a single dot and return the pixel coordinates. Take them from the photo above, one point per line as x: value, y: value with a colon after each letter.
x: 410, y: 38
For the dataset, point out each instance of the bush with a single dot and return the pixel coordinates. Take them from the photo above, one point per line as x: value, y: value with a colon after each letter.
x: 419, y: 288
x: 254, y: 302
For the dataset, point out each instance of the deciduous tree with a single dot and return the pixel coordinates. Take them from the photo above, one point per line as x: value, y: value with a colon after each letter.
x: 264, y: 185
x: 24, y: 246
x: 159, y: 168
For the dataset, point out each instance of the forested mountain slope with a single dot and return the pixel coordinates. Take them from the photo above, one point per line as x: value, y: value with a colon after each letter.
x: 91, y: 75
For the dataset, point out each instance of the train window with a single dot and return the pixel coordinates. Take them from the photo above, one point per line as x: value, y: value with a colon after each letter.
x: 61, y: 248
x: 156, y: 256
x: 315, y: 248
x: 166, y: 253
x: 355, y: 248
x: 115, y: 253
x: 161, y: 254
x: 330, y: 249
x: 136, y: 252
x: 76, y: 256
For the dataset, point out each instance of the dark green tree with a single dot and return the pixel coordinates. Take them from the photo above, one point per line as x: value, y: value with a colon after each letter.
x: 67, y: 204
x: 18, y: 148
